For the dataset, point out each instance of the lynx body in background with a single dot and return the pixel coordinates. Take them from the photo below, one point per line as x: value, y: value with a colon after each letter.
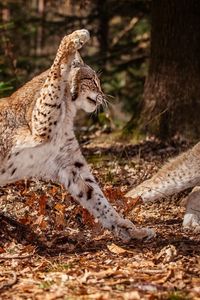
x: 180, y: 173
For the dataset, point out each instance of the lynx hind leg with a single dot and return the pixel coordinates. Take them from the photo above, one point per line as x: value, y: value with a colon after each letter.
x: 192, y: 216
x: 81, y: 184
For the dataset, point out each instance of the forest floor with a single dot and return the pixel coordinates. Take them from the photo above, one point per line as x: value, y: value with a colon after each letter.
x: 51, y: 248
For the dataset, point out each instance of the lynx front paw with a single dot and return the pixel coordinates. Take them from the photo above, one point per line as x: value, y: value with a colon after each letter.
x: 139, y: 191
x: 80, y: 37
x: 147, y: 191
x: 125, y: 229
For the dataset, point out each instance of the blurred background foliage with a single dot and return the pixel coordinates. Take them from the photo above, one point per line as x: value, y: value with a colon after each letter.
x: 31, y: 32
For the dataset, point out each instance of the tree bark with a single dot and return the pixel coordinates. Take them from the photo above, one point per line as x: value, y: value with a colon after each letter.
x: 103, y: 28
x: 172, y: 90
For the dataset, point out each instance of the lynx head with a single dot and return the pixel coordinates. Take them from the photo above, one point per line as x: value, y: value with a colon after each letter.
x: 85, y: 87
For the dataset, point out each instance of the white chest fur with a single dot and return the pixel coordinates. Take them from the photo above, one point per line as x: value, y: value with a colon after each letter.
x: 42, y: 161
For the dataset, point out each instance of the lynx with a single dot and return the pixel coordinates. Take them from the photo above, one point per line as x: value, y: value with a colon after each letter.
x: 180, y: 173
x: 37, y: 137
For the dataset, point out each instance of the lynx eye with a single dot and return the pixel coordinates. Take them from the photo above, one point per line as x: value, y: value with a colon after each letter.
x: 91, y: 100
x: 87, y: 78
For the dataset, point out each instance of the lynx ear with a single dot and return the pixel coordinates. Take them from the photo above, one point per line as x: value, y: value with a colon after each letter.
x: 77, y: 61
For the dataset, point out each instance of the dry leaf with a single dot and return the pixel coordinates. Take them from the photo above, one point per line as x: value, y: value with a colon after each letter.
x: 130, y: 203
x: 41, y: 222
x: 2, y: 250
x: 53, y: 190
x: 42, y: 204
x: 117, y: 250
x: 31, y: 199
x: 60, y: 207
x: 167, y: 253
x: 60, y: 220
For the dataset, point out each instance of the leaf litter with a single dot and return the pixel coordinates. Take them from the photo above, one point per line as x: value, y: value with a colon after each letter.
x: 51, y: 248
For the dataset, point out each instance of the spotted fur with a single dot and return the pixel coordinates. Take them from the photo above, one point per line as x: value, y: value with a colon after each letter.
x: 37, y: 137
x: 180, y: 173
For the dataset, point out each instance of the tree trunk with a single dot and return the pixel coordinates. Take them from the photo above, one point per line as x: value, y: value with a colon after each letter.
x: 103, y: 29
x: 172, y: 89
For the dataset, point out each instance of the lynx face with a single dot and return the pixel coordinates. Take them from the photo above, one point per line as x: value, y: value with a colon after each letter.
x: 85, y: 89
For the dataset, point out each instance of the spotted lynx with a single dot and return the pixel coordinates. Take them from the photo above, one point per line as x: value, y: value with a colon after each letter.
x: 37, y: 137
x: 181, y: 173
